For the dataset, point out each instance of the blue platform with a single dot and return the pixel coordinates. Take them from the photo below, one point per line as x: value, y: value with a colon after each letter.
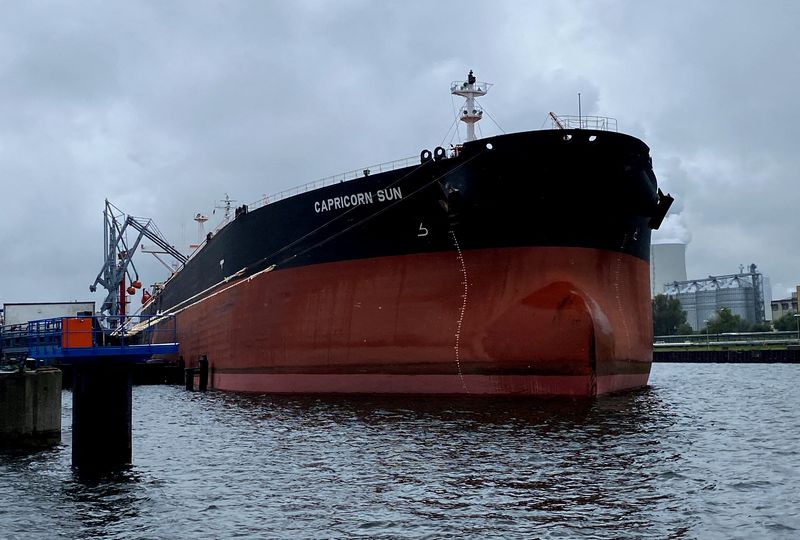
x: 76, y: 340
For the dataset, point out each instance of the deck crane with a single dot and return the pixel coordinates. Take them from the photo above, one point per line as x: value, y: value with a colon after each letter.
x: 118, y: 257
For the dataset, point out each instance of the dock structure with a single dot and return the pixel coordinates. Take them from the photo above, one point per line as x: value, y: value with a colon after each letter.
x: 731, y: 348
x: 101, y: 351
x: 30, y: 408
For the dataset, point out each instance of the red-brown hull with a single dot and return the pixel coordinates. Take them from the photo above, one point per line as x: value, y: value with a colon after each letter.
x: 489, y: 385
x: 500, y: 321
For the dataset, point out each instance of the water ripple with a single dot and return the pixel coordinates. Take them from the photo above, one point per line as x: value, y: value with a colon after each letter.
x: 705, y: 451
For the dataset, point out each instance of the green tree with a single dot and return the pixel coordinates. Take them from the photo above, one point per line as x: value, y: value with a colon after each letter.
x: 786, y: 323
x: 761, y: 327
x: 724, y: 321
x: 668, y: 317
x: 685, y: 329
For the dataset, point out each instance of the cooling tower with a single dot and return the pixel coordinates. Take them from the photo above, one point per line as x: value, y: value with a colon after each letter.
x: 667, y: 264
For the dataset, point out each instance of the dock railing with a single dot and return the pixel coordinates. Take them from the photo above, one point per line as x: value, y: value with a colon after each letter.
x: 13, y: 344
x: 748, y: 339
x: 134, y: 336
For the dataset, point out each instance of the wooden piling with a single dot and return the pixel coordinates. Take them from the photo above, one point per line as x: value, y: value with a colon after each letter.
x: 188, y: 378
x: 202, y: 367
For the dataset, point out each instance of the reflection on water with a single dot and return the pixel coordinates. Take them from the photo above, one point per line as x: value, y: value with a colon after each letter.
x: 706, y: 451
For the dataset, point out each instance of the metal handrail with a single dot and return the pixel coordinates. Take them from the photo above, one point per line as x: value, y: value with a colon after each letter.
x: 337, y: 178
x: 740, y: 337
x: 316, y: 184
x: 123, y: 330
x: 599, y: 123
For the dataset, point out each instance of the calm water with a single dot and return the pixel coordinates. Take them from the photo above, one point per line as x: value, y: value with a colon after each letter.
x: 707, y: 451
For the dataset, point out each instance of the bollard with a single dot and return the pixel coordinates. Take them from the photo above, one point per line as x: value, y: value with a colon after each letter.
x: 101, y: 416
x: 203, y: 370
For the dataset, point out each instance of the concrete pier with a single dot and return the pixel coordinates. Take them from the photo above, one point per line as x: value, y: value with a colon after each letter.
x: 102, y: 360
x: 101, y: 416
x: 30, y: 408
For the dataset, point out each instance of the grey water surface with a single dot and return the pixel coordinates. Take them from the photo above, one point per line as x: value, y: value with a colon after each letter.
x: 706, y: 451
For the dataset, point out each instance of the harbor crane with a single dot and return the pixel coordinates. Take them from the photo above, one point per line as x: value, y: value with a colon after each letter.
x: 118, y: 257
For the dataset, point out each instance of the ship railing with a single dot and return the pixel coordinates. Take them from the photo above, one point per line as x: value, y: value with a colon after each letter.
x: 336, y: 179
x: 355, y: 174
x: 480, y: 88
x: 599, y: 123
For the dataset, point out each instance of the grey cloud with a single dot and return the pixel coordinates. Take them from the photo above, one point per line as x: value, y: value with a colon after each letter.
x: 163, y: 107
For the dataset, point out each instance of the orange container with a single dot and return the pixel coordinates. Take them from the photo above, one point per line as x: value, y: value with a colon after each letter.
x: 76, y: 332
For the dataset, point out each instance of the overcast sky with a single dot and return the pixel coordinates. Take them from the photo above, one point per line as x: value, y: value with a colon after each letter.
x: 163, y: 107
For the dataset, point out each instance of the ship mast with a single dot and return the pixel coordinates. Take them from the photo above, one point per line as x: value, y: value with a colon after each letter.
x: 226, y: 205
x: 201, y: 232
x: 471, y: 112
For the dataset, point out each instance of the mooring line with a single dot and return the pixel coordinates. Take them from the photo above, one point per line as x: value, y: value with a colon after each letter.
x: 178, y: 307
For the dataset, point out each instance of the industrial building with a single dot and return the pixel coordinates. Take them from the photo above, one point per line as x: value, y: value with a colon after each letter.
x: 667, y: 265
x: 783, y: 306
x: 21, y: 313
x: 742, y: 294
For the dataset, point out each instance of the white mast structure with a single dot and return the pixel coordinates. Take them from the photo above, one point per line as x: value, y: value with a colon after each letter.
x: 201, y: 231
x: 471, y: 112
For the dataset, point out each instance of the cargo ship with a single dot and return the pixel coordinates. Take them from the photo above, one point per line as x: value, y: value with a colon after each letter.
x: 516, y: 264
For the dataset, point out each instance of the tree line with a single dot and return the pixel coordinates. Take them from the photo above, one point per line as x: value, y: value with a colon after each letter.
x: 669, y: 319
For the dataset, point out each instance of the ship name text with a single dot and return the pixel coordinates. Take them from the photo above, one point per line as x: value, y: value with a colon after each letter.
x: 357, y: 199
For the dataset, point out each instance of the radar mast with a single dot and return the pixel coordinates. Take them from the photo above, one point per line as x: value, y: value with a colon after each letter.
x: 470, y: 112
